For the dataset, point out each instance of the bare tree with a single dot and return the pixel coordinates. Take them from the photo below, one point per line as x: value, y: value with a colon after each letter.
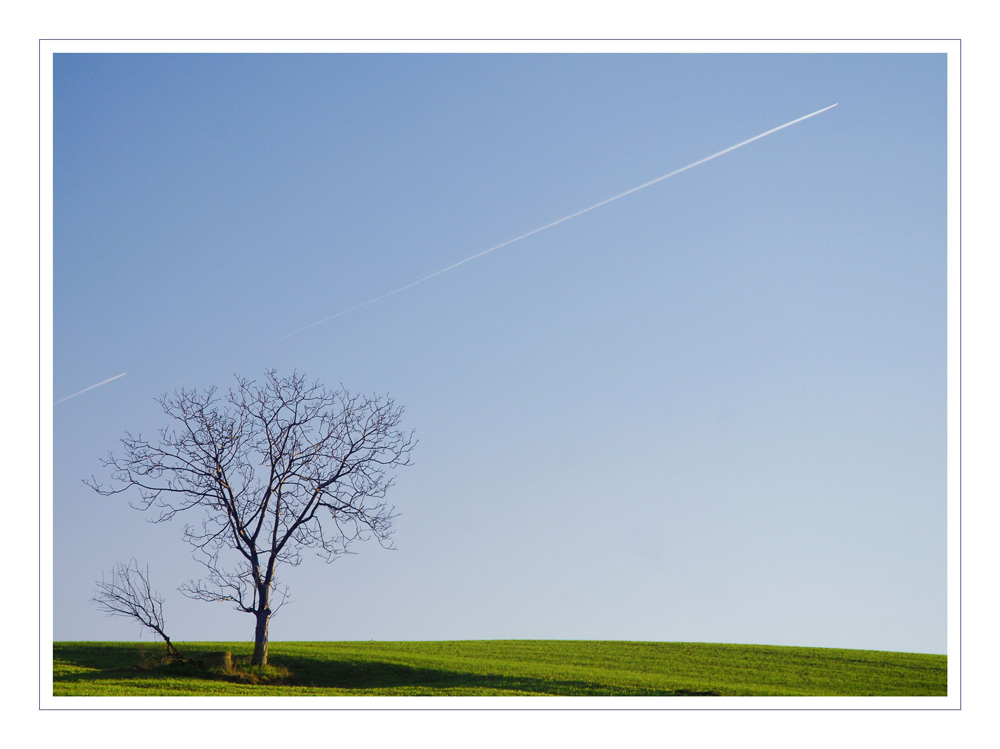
x: 129, y: 594
x: 273, y: 468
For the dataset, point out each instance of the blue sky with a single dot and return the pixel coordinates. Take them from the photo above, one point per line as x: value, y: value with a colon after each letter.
x: 712, y: 411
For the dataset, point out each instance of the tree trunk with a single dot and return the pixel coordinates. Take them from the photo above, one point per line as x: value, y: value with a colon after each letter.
x: 260, y: 638
x: 171, y: 650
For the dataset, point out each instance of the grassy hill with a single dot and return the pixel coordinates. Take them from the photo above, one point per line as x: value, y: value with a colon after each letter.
x: 497, y: 667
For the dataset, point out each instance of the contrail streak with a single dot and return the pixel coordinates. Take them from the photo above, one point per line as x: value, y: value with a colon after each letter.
x: 111, y: 379
x: 509, y: 242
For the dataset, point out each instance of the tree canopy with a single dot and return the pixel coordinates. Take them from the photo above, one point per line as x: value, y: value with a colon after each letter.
x: 270, y: 469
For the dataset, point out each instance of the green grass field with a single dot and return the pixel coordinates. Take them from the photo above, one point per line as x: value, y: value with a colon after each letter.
x: 498, y: 667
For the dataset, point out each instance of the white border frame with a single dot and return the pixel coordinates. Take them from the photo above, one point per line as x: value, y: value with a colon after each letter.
x: 49, y: 47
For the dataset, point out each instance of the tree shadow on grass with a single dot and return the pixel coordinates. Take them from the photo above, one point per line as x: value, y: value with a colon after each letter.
x: 362, y: 677
x: 377, y: 676
x: 102, y: 656
x: 117, y: 662
x: 114, y: 662
x: 369, y: 676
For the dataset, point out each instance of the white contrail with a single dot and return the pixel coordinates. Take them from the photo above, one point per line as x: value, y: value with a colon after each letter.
x: 469, y: 259
x: 111, y: 379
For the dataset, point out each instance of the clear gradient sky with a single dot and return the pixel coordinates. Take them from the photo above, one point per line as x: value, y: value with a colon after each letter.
x: 713, y: 410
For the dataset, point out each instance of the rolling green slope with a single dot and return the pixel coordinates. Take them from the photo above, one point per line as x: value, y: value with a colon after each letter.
x: 499, y: 667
